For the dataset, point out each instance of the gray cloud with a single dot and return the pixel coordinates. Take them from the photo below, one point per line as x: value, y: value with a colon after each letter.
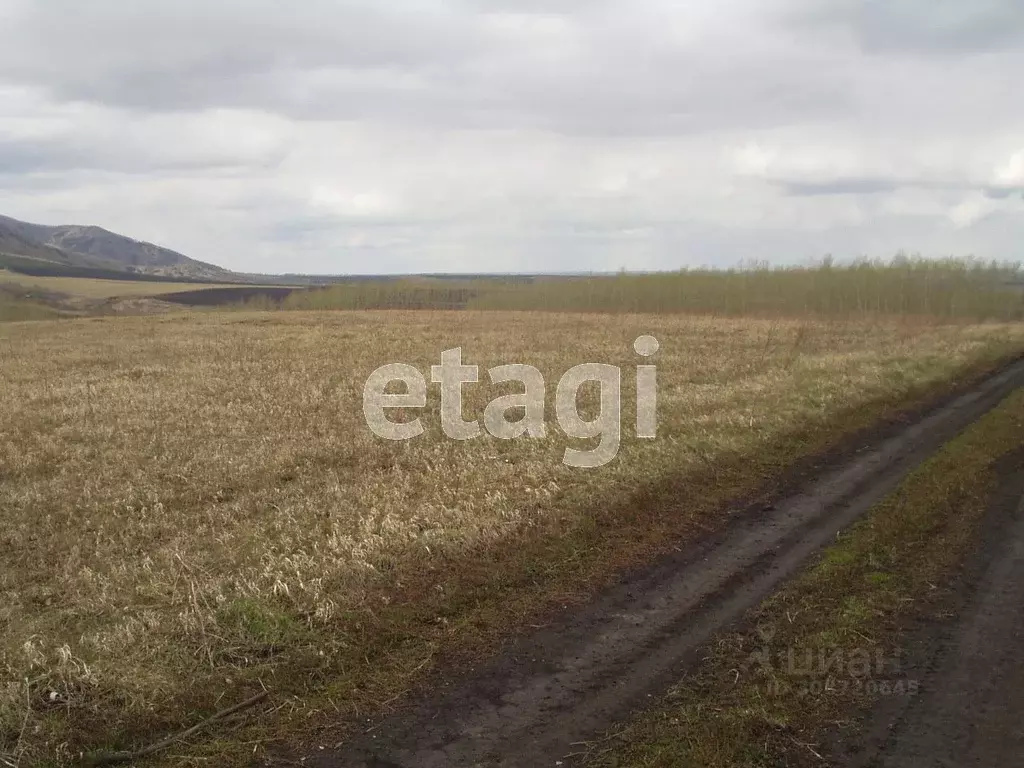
x: 875, y: 185
x: 944, y: 27
x: 1004, y: 192
x: 557, y: 134
x: 47, y: 156
x: 590, y: 68
x: 852, y: 186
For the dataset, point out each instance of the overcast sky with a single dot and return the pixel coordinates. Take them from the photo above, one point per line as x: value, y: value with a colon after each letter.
x: 518, y: 135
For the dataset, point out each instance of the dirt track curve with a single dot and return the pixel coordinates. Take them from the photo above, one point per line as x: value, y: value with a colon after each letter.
x: 597, y: 664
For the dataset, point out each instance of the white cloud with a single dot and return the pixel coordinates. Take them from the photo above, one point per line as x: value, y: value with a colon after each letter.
x: 1011, y: 173
x: 424, y: 135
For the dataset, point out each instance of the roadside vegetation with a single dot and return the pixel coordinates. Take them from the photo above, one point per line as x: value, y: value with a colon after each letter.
x: 192, y: 509
x: 827, y: 645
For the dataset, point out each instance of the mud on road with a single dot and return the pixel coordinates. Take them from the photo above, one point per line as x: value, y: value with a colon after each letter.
x: 549, y: 692
x: 969, y: 666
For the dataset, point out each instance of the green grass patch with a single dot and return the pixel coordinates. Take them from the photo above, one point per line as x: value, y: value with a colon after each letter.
x: 258, y: 625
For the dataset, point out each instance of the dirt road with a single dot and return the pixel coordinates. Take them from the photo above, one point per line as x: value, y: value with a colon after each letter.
x: 547, y: 693
x: 971, y: 707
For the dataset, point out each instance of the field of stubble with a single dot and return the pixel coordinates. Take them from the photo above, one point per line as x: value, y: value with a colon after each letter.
x: 192, y: 506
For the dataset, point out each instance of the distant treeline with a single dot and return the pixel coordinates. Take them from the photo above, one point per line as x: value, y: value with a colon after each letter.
x: 907, y: 286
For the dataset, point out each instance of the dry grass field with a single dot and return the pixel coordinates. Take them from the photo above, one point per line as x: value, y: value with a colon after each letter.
x: 91, y: 288
x: 192, y: 507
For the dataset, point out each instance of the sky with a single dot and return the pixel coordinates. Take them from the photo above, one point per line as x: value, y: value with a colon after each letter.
x: 360, y: 136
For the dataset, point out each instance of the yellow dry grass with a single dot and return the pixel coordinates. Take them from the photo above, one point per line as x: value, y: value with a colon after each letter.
x: 93, y: 288
x: 189, y: 502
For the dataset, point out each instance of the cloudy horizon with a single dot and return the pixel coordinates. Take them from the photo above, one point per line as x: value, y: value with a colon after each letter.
x: 345, y: 136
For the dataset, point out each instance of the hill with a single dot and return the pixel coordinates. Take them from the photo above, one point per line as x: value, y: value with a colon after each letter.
x: 94, y: 248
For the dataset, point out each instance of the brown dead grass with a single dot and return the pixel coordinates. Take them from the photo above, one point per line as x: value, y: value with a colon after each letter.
x: 192, y: 507
x: 95, y: 288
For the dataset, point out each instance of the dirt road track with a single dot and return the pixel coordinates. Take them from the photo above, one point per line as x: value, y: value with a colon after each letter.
x: 970, y: 711
x: 547, y: 693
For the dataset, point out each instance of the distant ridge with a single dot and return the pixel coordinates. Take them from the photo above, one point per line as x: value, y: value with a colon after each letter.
x: 94, y: 249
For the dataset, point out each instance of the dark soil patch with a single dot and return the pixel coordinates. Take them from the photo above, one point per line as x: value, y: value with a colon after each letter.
x: 218, y: 297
